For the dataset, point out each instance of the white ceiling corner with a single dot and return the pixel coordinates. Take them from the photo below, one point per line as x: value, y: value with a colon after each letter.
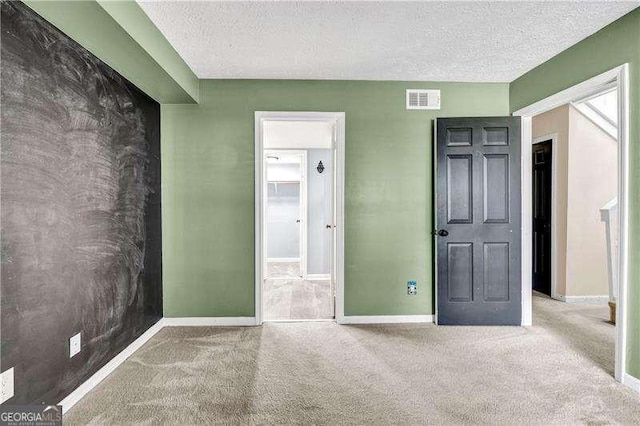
x: 483, y: 41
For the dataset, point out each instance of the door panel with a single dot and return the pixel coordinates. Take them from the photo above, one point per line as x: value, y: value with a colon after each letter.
x: 496, y: 272
x: 495, y: 136
x: 478, y: 206
x: 459, y: 136
x: 542, y: 160
x: 460, y: 279
x: 496, y: 188
x: 459, y: 196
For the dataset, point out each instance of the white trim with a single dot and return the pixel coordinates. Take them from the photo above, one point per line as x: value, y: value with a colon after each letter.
x: 339, y: 119
x: 579, y: 91
x: 582, y: 299
x: 620, y: 75
x: 304, y: 222
x: 553, y: 137
x: 75, y: 396
x: 260, y: 176
x: 526, y: 222
x: 623, y: 219
x: 594, y: 117
x: 339, y: 218
x: 387, y: 319
x: 630, y: 381
x: 607, y: 213
x: 283, y: 259
x: 210, y: 322
x: 318, y: 277
x: 605, y: 88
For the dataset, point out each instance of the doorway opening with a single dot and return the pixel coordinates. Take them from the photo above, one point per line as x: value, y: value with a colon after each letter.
x: 299, y: 216
x: 285, y: 217
x: 575, y: 186
x: 542, y: 161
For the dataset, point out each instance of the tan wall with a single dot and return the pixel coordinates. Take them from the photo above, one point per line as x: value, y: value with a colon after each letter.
x: 556, y: 122
x: 585, y: 158
x: 593, y: 175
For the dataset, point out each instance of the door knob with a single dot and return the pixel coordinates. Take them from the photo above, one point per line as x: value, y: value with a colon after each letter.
x: 328, y: 226
x: 443, y: 232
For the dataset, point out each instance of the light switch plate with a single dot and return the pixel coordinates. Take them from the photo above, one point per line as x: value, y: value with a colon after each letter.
x: 75, y: 343
x: 6, y: 385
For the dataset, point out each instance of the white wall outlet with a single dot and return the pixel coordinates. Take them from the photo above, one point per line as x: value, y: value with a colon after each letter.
x: 74, y: 345
x: 6, y: 385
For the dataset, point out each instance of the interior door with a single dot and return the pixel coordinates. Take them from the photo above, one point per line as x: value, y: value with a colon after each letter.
x: 478, y: 230
x: 542, y: 158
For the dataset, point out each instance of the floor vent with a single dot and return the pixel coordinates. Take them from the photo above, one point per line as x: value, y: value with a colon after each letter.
x: 423, y: 99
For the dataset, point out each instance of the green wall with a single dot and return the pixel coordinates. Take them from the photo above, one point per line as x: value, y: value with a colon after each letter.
x: 208, y: 190
x: 208, y: 161
x: 616, y: 44
x: 107, y: 29
x: 130, y: 16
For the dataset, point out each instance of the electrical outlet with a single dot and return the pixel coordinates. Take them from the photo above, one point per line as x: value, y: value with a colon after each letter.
x: 6, y: 385
x: 412, y: 288
x: 75, y: 345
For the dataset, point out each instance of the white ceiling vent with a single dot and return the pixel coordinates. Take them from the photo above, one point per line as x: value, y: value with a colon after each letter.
x: 423, y: 99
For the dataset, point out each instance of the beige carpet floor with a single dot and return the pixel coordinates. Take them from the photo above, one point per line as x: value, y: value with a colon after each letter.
x: 288, y: 297
x: 556, y: 372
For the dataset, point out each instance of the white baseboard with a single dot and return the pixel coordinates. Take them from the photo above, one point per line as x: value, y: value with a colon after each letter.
x: 108, y: 368
x: 582, y: 299
x: 318, y: 277
x: 630, y: 381
x: 386, y: 319
x: 210, y: 321
x: 299, y: 320
x: 283, y: 259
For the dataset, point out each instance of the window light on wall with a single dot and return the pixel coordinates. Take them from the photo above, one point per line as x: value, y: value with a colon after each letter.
x: 602, y: 109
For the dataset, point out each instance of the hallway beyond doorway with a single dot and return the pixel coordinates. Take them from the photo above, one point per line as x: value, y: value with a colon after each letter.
x: 289, y: 297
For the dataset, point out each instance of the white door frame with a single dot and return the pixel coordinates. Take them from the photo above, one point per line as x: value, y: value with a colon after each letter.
x: 303, y: 216
x: 338, y: 118
x: 619, y: 75
x: 553, y: 137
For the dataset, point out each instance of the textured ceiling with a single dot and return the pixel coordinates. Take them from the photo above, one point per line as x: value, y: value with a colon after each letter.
x: 437, y: 41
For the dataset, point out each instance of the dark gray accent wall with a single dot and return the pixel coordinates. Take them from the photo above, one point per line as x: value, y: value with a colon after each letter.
x: 80, y: 209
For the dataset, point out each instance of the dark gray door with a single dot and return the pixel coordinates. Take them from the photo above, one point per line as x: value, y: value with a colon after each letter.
x: 478, y: 221
x: 541, y: 206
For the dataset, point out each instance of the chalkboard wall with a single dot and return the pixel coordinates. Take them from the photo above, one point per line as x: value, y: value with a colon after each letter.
x: 80, y: 208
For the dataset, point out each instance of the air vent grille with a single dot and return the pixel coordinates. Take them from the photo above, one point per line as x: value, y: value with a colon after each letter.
x: 423, y: 99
